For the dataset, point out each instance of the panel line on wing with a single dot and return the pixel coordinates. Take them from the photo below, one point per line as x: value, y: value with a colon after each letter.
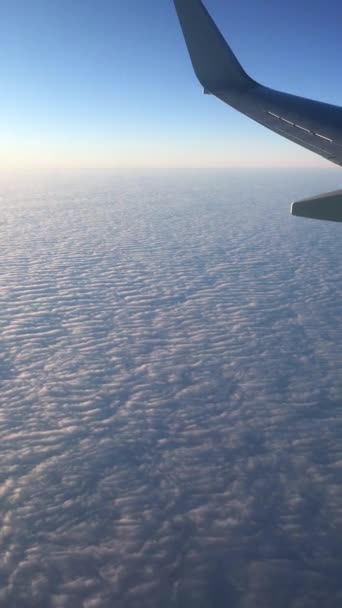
x: 293, y: 124
x: 303, y: 128
x: 324, y: 137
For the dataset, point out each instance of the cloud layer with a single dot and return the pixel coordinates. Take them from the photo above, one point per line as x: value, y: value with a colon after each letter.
x: 171, y: 393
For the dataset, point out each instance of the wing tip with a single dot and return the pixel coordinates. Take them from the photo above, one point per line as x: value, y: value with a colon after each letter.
x: 213, y: 61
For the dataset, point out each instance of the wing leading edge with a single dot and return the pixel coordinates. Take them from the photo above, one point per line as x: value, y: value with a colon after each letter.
x: 314, y: 125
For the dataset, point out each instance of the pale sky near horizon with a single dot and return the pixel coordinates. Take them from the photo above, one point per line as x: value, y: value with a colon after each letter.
x: 109, y: 84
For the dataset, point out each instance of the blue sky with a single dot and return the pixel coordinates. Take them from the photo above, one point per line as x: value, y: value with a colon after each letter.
x: 109, y: 83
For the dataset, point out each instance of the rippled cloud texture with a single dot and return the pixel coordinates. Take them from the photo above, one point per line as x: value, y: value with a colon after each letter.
x: 171, y: 388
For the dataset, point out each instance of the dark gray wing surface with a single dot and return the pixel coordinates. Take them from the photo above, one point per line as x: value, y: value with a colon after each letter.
x: 314, y: 125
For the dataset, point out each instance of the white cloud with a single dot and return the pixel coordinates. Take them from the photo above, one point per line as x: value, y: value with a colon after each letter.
x: 170, y: 398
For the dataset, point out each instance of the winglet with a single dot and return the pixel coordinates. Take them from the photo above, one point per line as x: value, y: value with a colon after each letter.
x: 214, y: 63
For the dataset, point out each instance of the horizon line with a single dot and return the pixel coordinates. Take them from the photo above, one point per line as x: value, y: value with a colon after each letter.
x: 170, y: 168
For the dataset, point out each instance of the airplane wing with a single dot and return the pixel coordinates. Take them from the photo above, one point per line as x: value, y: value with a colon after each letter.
x: 314, y: 125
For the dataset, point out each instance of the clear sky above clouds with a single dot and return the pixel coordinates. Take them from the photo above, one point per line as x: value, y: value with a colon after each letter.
x: 109, y: 83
